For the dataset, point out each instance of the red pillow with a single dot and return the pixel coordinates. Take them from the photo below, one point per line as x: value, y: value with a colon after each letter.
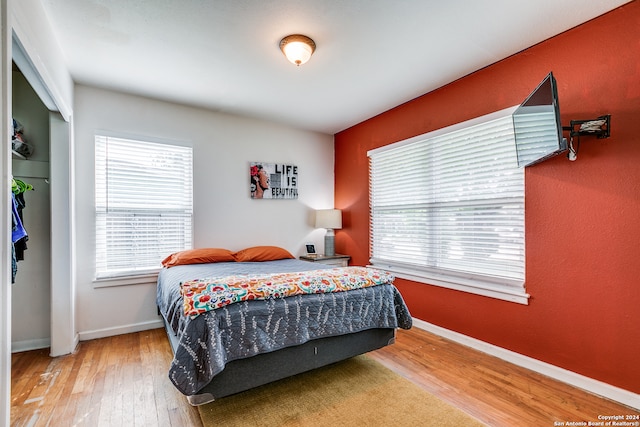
x: 262, y: 253
x: 198, y: 256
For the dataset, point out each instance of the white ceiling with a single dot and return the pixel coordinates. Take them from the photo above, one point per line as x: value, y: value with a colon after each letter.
x: 371, y: 55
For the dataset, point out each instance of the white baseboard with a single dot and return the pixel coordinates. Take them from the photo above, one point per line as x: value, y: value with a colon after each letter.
x: 28, y: 345
x: 119, y: 330
x: 580, y: 381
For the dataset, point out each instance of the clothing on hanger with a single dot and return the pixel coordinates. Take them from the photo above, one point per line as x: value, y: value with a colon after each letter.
x: 19, y: 236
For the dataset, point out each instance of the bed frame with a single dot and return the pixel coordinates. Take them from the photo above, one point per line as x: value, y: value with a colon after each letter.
x: 244, y: 374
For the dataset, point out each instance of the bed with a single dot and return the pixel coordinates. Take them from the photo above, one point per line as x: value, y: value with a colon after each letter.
x: 241, y: 345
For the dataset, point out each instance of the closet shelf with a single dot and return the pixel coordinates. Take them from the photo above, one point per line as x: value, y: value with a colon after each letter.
x: 17, y: 155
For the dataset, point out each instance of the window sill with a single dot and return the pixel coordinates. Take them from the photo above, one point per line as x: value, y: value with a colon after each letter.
x: 143, y: 279
x: 470, y: 285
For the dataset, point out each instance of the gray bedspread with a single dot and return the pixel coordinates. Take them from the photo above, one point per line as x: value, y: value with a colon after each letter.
x: 208, y: 341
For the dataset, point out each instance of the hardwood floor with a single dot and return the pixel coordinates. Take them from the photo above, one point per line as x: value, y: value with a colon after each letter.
x: 115, y: 381
x: 122, y: 381
x: 496, y: 392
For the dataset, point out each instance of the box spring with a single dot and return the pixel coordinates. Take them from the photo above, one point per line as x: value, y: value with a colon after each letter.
x: 244, y: 374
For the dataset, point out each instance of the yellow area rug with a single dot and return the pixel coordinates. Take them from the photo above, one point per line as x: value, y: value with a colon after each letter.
x: 354, y: 392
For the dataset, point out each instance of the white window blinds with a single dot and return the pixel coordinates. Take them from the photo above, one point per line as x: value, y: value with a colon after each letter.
x: 143, y: 204
x: 448, y: 206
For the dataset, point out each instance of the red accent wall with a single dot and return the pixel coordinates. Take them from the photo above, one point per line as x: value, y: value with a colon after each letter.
x: 582, y: 218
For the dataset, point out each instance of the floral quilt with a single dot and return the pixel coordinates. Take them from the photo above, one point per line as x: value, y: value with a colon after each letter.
x: 202, y: 295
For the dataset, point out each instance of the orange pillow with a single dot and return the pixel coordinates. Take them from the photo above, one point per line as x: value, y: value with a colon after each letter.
x: 262, y: 253
x: 198, y: 256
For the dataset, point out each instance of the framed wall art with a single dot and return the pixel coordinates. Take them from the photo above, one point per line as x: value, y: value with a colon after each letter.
x: 273, y: 181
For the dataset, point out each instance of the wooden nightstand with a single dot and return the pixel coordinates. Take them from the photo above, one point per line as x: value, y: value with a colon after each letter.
x: 337, y: 259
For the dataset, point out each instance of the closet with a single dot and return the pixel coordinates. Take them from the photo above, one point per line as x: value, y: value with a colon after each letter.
x: 31, y: 291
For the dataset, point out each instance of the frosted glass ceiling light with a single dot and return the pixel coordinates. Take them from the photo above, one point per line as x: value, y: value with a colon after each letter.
x: 297, y: 48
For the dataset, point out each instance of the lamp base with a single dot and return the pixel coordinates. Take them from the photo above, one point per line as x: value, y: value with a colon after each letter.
x: 329, y: 243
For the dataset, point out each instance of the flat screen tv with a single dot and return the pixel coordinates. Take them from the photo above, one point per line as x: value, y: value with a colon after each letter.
x: 536, y: 122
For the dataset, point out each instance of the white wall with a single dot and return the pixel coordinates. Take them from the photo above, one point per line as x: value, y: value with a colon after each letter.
x: 34, y: 33
x: 224, y: 214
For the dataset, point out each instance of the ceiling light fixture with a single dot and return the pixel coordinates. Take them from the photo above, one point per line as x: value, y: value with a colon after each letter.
x: 297, y: 48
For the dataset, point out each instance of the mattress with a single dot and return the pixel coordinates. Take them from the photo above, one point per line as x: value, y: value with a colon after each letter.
x: 207, y: 342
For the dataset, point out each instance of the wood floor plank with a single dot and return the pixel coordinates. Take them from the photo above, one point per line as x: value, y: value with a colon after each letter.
x: 64, y: 411
x: 123, y: 380
x: 490, y: 389
x: 54, y: 403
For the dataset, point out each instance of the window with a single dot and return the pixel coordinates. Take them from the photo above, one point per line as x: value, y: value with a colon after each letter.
x: 447, y: 208
x: 143, y: 205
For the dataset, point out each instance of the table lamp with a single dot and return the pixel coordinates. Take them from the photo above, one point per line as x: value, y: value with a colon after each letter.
x: 330, y: 219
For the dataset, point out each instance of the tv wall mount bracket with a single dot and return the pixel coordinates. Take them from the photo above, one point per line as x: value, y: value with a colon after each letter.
x: 599, y: 127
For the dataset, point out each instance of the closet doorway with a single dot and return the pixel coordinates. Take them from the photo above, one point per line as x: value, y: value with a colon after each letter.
x: 31, y: 290
x: 48, y: 218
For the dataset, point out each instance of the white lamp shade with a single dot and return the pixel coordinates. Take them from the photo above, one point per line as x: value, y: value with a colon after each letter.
x: 329, y: 218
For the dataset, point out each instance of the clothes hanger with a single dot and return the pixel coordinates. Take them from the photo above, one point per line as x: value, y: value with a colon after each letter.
x: 18, y: 186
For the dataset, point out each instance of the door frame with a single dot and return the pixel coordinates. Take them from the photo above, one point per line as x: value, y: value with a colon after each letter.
x: 20, y: 43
